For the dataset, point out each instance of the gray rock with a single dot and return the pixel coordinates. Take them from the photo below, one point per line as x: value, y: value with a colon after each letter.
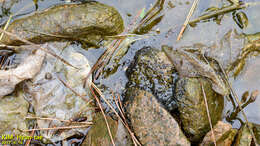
x: 151, y: 123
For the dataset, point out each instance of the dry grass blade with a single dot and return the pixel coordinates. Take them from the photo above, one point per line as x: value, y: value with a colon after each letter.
x: 57, y: 128
x: 6, y: 25
x: 209, y: 118
x: 119, y: 108
x: 37, y: 46
x: 109, y: 53
x: 194, y: 5
x: 136, y: 142
x: 29, y: 140
x: 54, y: 119
x: 98, y: 62
x: 103, y: 113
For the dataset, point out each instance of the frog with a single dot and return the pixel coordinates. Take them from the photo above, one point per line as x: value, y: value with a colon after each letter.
x: 194, y: 63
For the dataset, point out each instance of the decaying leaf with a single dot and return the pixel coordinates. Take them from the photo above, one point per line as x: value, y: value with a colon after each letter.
x: 29, y: 67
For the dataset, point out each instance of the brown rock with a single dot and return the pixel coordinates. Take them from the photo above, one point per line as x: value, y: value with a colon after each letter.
x: 224, y: 135
x: 151, y: 123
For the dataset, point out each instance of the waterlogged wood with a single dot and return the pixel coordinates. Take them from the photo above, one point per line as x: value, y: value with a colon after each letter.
x: 70, y: 21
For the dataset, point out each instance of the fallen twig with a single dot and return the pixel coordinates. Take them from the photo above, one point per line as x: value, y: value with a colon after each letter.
x: 29, y: 140
x: 136, y: 142
x: 6, y: 25
x: 57, y: 128
x: 103, y: 113
x: 195, y: 3
x: 55, y: 119
x: 209, y: 118
x: 117, y: 104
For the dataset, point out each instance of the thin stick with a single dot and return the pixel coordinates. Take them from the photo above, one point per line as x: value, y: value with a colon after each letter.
x: 117, y: 104
x: 195, y: 2
x: 6, y: 25
x: 209, y: 118
x: 56, y: 128
x: 54, y: 119
x: 124, y: 123
x: 29, y: 140
x: 103, y: 113
x: 120, y: 103
x: 98, y: 62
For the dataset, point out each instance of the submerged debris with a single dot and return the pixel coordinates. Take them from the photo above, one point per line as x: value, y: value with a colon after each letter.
x: 28, y: 68
x: 57, y: 93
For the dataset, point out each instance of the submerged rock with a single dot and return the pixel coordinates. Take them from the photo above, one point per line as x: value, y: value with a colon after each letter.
x: 51, y: 98
x: 89, y: 21
x: 256, y: 129
x: 98, y: 134
x: 152, y: 71
x: 244, y: 137
x: 224, y: 135
x: 151, y: 123
x: 192, y: 109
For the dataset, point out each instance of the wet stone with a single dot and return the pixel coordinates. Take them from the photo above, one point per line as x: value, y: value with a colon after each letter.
x: 87, y: 22
x: 244, y: 138
x: 256, y: 129
x: 151, y: 123
x: 192, y: 109
x: 98, y: 134
x: 224, y: 135
x: 153, y: 72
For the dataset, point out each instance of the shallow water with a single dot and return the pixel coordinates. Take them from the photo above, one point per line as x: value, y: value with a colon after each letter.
x: 175, y: 11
